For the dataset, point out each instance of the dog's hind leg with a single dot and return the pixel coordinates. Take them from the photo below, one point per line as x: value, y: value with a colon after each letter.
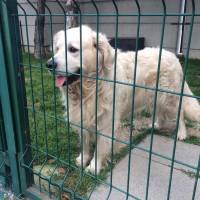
x: 182, y: 133
x: 160, y: 118
x: 167, y: 110
x: 170, y: 114
x: 157, y: 124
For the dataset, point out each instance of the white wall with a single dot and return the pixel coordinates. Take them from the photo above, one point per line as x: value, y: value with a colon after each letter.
x: 150, y: 26
x: 195, y: 42
x: 57, y: 21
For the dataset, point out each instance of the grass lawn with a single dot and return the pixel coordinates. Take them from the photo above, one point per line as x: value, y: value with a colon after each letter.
x: 49, y: 132
x: 193, y: 79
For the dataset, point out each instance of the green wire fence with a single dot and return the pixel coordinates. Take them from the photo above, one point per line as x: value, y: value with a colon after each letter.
x: 38, y: 146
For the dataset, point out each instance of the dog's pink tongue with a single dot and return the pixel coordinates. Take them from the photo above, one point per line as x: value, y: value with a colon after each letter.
x: 60, y: 80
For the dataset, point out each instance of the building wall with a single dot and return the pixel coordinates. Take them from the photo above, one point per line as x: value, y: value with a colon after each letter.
x: 195, y: 42
x: 57, y: 22
x: 150, y: 27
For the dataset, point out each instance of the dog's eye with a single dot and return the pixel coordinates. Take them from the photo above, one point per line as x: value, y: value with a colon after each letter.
x: 72, y: 49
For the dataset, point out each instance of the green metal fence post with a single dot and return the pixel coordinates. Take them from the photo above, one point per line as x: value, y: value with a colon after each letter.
x: 14, y: 98
x: 8, y: 122
x: 3, y: 148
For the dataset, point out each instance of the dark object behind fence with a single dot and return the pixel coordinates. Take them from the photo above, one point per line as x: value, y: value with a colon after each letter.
x: 128, y: 44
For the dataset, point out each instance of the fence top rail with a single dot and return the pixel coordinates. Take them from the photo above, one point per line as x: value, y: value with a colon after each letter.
x: 114, y: 14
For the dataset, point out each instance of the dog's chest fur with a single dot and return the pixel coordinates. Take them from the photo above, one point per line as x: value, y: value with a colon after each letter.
x: 85, y: 111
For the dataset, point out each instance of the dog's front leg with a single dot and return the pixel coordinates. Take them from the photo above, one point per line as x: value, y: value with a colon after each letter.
x: 103, y: 146
x: 84, y: 156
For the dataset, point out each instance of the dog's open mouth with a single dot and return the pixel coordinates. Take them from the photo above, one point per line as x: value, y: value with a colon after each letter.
x: 62, y: 80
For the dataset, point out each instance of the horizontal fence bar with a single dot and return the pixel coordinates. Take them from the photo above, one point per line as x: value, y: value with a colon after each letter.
x: 124, y: 23
x: 124, y: 83
x: 74, y: 167
x: 114, y: 15
x: 117, y: 140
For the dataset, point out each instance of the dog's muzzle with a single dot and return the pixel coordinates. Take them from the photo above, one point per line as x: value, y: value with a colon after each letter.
x: 51, y: 64
x: 62, y: 78
x: 72, y: 77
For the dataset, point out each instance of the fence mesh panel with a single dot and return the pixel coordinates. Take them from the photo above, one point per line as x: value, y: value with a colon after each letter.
x: 54, y: 143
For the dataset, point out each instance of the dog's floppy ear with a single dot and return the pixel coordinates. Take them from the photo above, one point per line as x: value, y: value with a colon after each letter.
x: 105, y: 50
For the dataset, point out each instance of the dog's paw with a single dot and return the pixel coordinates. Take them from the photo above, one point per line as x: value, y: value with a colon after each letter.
x: 156, y: 125
x: 91, y: 167
x: 79, y: 161
x: 182, y: 136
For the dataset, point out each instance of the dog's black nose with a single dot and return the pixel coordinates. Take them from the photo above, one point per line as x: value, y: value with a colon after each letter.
x: 51, y: 64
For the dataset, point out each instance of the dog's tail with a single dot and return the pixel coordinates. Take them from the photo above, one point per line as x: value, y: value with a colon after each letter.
x: 191, y: 106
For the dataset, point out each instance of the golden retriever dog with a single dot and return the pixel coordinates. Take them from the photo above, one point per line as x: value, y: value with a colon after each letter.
x: 81, y: 58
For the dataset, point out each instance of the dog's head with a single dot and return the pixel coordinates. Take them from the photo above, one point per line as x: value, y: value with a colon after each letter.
x: 78, y: 51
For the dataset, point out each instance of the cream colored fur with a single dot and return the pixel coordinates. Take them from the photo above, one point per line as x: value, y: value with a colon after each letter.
x: 170, y: 78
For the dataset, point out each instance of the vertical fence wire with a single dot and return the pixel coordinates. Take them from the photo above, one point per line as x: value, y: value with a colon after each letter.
x: 67, y: 88
x: 114, y: 93
x: 97, y: 77
x: 37, y: 143
x: 42, y: 84
x: 155, y: 97
x: 43, y: 96
x: 54, y: 85
x: 55, y: 105
x: 81, y: 81
x: 98, y: 68
x: 67, y: 101
x: 81, y: 98
x: 133, y: 99
x: 181, y: 97
x: 31, y: 82
x: 197, y: 177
